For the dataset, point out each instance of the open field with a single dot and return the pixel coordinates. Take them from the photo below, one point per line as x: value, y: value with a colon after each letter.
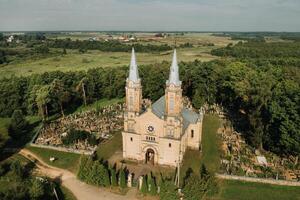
x: 63, y: 160
x: 239, y: 190
x: 74, y: 60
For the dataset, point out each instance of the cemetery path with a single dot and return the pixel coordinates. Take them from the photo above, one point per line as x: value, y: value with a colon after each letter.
x: 80, y: 190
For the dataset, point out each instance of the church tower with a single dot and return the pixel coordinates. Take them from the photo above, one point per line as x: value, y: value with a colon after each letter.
x: 133, y: 93
x: 173, y: 90
x: 173, y: 98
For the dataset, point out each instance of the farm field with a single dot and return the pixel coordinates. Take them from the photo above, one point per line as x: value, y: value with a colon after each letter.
x: 74, y: 61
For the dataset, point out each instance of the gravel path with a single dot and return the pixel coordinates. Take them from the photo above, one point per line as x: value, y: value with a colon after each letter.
x: 81, y: 190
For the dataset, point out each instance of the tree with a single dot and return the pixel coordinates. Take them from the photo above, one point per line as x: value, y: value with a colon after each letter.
x: 43, y: 49
x: 152, y: 185
x: 64, y: 51
x: 43, y: 97
x: 194, y: 188
x: 36, y: 191
x: 113, y: 176
x: 18, y: 124
x: 60, y: 94
x: 168, y: 191
x: 122, y: 178
x: 81, y: 88
x: 17, y: 169
x: 144, y: 188
x: 204, y: 174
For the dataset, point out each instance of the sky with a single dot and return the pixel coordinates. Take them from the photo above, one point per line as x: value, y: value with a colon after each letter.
x: 150, y: 15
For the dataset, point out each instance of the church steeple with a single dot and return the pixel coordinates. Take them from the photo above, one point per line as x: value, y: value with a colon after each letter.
x: 133, y: 87
x: 174, y: 72
x: 173, y: 92
x: 133, y: 70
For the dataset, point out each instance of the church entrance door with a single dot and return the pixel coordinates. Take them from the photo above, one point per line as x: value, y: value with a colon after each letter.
x: 149, y: 156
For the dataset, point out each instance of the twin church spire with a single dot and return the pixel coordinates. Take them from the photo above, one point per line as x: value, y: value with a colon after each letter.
x: 174, y: 70
x: 173, y: 91
x: 133, y: 70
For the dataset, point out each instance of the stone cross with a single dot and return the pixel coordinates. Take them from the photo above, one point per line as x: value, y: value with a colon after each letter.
x: 140, y: 182
x: 129, y: 180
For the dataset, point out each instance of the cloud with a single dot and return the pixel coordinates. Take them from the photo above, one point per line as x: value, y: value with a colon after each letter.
x: 174, y: 15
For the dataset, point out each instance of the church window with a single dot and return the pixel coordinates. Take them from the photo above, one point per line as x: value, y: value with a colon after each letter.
x: 192, y: 133
x: 171, y: 107
x: 170, y: 144
x: 131, y: 139
x: 131, y: 102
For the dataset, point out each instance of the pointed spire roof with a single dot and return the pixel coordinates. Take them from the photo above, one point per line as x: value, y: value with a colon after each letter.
x: 174, y: 71
x: 133, y: 70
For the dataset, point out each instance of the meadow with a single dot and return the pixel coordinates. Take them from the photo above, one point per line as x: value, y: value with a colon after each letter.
x: 74, y: 60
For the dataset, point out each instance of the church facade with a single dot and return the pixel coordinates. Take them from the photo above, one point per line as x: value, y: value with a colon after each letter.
x: 161, y: 133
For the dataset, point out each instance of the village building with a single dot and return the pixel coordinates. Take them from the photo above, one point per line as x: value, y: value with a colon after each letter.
x: 161, y: 133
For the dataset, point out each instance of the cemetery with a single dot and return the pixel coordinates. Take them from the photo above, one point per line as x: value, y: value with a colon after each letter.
x: 82, y: 131
x: 239, y: 158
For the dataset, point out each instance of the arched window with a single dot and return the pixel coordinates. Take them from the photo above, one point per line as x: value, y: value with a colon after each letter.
x: 192, y: 133
x: 170, y: 144
x: 131, y: 139
x: 171, y: 104
x: 131, y: 102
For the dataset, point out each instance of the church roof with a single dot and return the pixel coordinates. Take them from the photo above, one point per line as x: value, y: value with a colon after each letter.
x: 189, y: 117
x: 133, y: 70
x: 174, y: 71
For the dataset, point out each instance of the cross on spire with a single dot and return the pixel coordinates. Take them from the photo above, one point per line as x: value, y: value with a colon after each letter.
x: 133, y: 70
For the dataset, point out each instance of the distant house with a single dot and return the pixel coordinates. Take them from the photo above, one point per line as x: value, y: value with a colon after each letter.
x: 10, y: 39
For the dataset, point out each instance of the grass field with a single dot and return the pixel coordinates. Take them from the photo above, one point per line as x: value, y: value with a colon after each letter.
x: 107, y: 149
x: 74, y: 60
x: 63, y: 160
x: 210, y: 154
x: 232, y: 190
x: 239, y: 190
x: 210, y: 143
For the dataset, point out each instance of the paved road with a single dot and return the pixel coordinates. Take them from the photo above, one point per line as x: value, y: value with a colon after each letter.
x: 81, y: 190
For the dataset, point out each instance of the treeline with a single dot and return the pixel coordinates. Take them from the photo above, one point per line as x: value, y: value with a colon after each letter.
x: 110, y: 46
x: 17, y: 183
x: 275, y: 53
x: 263, y: 99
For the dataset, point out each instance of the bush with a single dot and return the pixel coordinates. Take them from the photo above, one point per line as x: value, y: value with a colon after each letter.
x: 122, y: 178
x: 18, y: 124
x: 75, y: 135
x: 168, y: 191
x: 113, y: 177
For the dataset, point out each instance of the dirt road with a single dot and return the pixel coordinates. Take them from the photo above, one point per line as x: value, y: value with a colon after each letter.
x: 81, y: 190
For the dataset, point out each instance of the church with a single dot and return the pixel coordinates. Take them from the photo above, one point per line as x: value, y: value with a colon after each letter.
x: 161, y: 133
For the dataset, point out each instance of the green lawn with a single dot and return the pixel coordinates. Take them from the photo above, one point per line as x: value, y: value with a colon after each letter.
x: 239, y: 190
x: 63, y: 160
x: 108, y: 148
x: 210, y: 154
x: 210, y: 143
